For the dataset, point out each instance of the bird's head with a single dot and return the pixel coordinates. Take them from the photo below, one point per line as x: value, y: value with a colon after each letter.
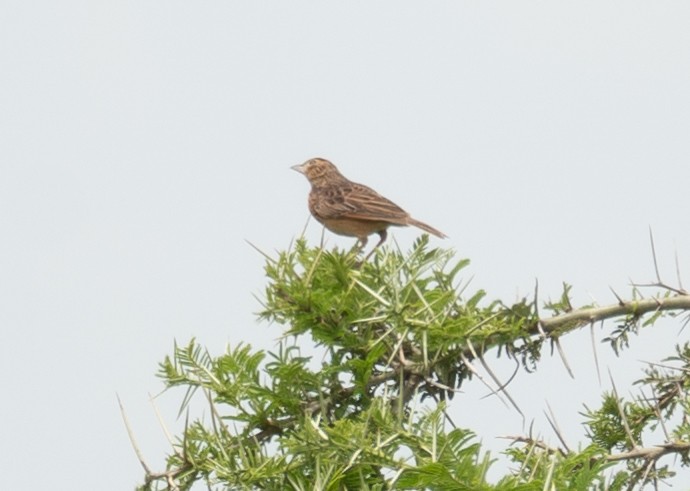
x: 319, y: 171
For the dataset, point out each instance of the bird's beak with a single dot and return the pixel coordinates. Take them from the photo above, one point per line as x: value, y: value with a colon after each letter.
x: 298, y: 168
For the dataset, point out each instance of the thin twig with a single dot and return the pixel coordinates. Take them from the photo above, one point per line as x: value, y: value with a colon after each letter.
x: 532, y: 442
x: 663, y: 286
x: 621, y: 412
x: 431, y: 381
x: 655, y: 407
x: 476, y: 373
x: 166, y: 432
x: 501, y: 387
x: 551, y: 418
x: 132, y: 440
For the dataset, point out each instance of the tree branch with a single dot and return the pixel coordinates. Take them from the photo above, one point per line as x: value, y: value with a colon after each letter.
x: 582, y: 317
x: 651, y: 453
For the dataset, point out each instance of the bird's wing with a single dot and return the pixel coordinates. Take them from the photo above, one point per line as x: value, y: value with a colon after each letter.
x: 360, y: 202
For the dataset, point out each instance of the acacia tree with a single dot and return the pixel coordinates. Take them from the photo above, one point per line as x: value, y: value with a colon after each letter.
x: 397, y: 338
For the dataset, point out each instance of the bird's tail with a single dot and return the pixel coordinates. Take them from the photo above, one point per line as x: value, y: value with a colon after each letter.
x: 426, y: 228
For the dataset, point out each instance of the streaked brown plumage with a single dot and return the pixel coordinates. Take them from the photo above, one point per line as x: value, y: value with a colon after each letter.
x: 348, y: 208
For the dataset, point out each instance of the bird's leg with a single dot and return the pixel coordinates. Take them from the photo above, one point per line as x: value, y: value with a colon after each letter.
x: 383, y: 234
x: 359, y: 245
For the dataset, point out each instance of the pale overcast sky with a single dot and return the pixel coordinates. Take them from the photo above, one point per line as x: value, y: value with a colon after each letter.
x: 144, y: 141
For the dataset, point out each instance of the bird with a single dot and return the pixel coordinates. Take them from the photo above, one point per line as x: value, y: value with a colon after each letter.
x: 352, y: 209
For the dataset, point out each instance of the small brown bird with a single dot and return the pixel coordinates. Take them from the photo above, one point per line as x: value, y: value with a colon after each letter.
x: 347, y: 208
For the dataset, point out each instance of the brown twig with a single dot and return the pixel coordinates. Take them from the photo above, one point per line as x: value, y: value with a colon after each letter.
x: 534, y: 443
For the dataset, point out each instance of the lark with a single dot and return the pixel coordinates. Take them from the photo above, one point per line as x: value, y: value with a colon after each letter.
x: 351, y: 209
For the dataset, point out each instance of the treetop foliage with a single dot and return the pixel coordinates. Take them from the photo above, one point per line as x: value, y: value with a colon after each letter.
x: 396, y: 338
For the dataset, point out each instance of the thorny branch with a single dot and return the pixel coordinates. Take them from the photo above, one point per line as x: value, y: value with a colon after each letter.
x: 645, y: 453
x: 582, y: 317
x: 411, y: 376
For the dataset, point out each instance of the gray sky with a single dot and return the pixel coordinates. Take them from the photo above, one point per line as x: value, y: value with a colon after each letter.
x: 144, y: 141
